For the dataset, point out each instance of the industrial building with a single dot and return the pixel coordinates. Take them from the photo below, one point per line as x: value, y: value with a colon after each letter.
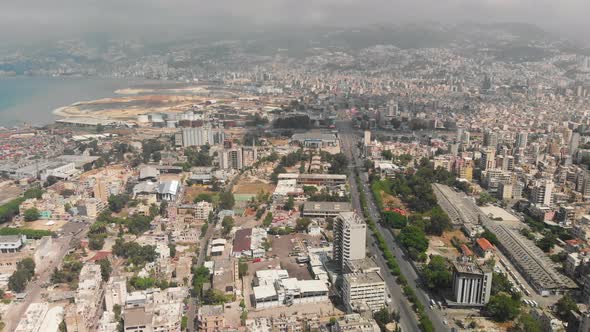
x: 315, y: 179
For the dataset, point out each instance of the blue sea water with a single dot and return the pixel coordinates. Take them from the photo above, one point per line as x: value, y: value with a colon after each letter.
x: 31, y: 100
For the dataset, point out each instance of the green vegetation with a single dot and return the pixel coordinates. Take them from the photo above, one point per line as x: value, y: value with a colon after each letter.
x: 242, y: 268
x: 31, y: 214
x: 490, y: 237
x: 290, y: 204
x: 281, y: 230
x: 25, y: 270
x: 527, y: 323
x: 151, y: 150
x: 302, y: 224
x: 207, y: 197
x: 226, y: 200
x: 503, y: 307
x: 415, y: 241
x: 10, y: 209
x: 293, y: 122
x: 267, y: 220
x: 36, y: 193
x: 118, y: 202
x: 565, y: 306
x: 69, y: 273
x: 201, y: 276
x: 425, y: 323
x: 215, y: 296
x: 198, y: 157
x: 29, y: 233
x: 135, y: 253
x: 143, y: 283
x: 437, y: 274
x: 227, y: 223
x: 136, y: 224
x: 485, y: 198
x: 105, y: 269
x: 500, y: 284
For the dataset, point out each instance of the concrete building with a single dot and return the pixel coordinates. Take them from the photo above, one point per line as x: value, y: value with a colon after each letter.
x: 200, y: 136
x: 325, y: 209
x: 488, y: 158
x: 472, y: 284
x: 39, y: 318
x: 350, y: 237
x: 210, y: 318
x: 315, y: 139
x: 363, y: 290
x: 231, y: 159
x: 542, y: 193
x: 202, y: 210
x: 315, y: 179
x: 275, y: 288
x: 357, y: 323
x: 88, y: 299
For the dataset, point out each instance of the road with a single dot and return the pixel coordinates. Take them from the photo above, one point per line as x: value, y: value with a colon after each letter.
x: 72, y: 233
x: 349, y: 144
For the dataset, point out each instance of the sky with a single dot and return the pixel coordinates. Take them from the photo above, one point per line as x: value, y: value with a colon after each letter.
x: 42, y: 20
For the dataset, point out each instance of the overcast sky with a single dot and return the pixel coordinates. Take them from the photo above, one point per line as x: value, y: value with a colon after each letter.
x: 28, y: 20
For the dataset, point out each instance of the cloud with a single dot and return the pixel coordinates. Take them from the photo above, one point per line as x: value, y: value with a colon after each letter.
x: 40, y: 19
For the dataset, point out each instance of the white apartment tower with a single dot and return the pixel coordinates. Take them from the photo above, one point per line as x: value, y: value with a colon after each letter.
x: 350, y: 238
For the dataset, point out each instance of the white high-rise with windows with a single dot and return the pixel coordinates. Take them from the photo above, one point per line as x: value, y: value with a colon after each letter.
x: 350, y: 238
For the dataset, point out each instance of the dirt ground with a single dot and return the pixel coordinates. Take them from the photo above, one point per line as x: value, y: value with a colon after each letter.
x: 42, y: 225
x: 391, y: 201
x: 441, y: 245
x: 8, y: 191
x: 252, y: 187
x: 193, y: 191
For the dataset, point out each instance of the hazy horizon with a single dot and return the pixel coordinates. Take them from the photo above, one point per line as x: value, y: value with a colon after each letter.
x: 36, y: 21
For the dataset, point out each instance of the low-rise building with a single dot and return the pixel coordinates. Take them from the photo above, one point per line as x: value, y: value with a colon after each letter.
x: 210, y: 318
x: 355, y: 322
x: 363, y: 290
x: 325, y: 209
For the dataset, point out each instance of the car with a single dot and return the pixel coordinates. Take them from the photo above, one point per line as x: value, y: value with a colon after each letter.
x: 445, y: 322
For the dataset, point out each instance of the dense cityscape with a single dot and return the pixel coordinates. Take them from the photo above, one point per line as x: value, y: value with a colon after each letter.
x: 429, y: 178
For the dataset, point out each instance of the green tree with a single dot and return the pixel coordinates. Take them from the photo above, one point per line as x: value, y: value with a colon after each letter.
x: 214, y: 296
x: 290, y: 203
x: 203, y: 197
x: 302, y: 224
x: 413, y: 238
x: 226, y: 200
x: 485, y: 198
x: 105, y: 268
x: 267, y: 220
x: 95, y: 242
x: 227, y: 223
x: 382, y: 317
x: 500, y: 283
x: 526, y: 323
x: 565, y: 306
x: 437, y: 274
x: 547, y: 242
x: 502, y: 307
x: 242, y: 268
x: 117, y: 202
x: 31, y: 214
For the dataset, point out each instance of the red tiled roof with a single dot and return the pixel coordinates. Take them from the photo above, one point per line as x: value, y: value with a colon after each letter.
x: 466, y: 251
x: 100, y: 255
x: 484, y: 244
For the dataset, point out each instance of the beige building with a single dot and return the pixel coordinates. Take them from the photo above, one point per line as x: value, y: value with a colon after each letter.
x: 363, y: 290
x: 350, y: 237
x: 210, y: 318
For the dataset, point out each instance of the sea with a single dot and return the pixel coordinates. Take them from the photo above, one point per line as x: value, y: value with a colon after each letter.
x: 31, y: 100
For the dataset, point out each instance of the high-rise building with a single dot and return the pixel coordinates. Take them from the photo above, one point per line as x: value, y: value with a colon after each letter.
x: 574, y: 143
x: 472, y: 284
x: 488, y: 158
x: 542, y: 193
x: 522, y: 139
x: 350, y: 237
x: 231, y: 159
x: 490, y: 139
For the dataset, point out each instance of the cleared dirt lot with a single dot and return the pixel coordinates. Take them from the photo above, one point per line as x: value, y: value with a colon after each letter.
x: 252, y: 187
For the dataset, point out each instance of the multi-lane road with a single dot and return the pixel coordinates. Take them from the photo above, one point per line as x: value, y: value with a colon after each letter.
x: 349, y: 140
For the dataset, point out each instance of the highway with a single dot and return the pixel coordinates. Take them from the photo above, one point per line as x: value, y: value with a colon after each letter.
x: 349, y: 147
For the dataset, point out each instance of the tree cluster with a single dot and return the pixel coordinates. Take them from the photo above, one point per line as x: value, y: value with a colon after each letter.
x: 25, y: 270
x: 135, y: 253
